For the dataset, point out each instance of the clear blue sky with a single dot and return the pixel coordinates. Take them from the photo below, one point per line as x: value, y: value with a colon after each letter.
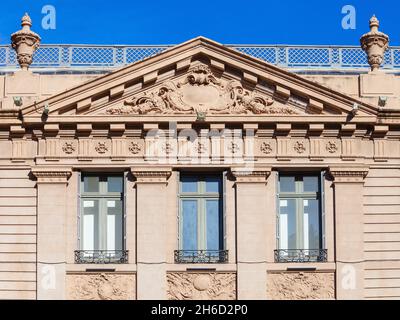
x: 228, y: 22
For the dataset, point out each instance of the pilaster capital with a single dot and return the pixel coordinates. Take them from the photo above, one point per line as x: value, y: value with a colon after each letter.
x: 52, y: 175
x: 151, y: 175
x: 346, y: 174
x: 257, y: 175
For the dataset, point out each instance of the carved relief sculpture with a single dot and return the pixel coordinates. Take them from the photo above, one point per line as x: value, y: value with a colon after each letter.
x: 201, y: 286
x: 101, y: 286
x: 301, y: 286
x: 200, y: 92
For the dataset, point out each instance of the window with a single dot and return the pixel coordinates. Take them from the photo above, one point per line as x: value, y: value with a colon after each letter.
x: 300, y: 219
x: 201, y: 234
x: 101, y: 219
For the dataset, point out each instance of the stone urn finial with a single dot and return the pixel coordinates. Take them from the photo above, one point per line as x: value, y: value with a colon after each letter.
x: 25, y: 42
x: 374, y: 43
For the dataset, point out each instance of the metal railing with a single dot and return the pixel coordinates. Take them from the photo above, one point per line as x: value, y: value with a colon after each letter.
x: 100, y: 57
x: 101, y: 256
x: 301, y: 255
x: 201, y: 256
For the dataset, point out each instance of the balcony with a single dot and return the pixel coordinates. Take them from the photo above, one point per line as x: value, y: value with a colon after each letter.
x: 101, y: 256
x: 201, y: 256
x: 301, y: 255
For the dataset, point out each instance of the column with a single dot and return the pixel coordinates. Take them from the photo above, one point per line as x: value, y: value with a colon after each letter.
x: 51, y: 236
x: 349, y: 231
x: 252, y: 229
x: 151, y: 206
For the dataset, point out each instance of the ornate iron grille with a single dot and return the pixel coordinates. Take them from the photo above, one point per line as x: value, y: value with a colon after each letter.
x: 201, y: 256
x: 101, y: 256
x: 301, y: 255
x: 107, y: 57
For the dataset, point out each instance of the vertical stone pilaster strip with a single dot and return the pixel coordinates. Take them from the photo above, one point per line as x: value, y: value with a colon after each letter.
x: 51, y: 236
x: 349, y: 229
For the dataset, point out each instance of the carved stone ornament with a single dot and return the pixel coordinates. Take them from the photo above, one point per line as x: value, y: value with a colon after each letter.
x: 68, y: 148
x: 101, y: 147
x: 201, y: 147
x: 101, y: 286
x: 299, y: 147
x: 25, y: 42
x: 201, y: 286
x: 301, y: 286
x: 134, y: 148
x: 266, y: 148
x: 332, y: 147
x: 374, y: 43
x: 201, y: 92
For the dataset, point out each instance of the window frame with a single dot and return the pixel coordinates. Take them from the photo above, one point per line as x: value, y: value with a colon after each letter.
x: 102, y: 196
x: 300, y: 196
x: 201, y: 196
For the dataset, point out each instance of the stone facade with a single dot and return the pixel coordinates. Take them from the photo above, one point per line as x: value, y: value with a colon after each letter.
x: 199, y: 107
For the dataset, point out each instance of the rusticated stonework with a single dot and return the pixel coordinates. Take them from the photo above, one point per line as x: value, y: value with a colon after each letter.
x: 301, y: 286
x: 101, y: 286
x: 201, y: 286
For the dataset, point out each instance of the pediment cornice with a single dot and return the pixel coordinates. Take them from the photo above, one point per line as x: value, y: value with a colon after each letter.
x: 142, y: 90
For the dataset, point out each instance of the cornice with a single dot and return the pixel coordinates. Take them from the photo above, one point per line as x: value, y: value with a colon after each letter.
x: 52, y: 175
x: 151, y: 175
x: 245, y: 175
x: 343, y: 174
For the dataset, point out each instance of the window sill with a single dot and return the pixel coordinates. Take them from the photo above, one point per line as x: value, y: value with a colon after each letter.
x: 108, y: 267
x: 292, y: 266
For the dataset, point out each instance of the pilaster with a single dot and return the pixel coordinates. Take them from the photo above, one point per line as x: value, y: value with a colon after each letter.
x: 349, y: 231
x: 253, y: 208
x: 152, y: 199
x: 51, y: 236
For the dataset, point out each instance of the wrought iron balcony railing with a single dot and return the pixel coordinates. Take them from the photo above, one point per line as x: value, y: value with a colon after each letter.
x: 101, y: 256
x: 201, y: 256
x: 102, y: 57
x: 301, y: 255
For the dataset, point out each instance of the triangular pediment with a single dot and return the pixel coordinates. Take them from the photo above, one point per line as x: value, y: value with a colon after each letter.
x: 204, y: 79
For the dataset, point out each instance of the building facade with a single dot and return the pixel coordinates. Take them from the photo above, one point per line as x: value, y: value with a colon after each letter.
x: 200, y: 172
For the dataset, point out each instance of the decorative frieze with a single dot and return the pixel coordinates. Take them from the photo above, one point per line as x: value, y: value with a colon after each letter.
x: 301, y: 286
x: 201, y: 286
x: 101, y: 286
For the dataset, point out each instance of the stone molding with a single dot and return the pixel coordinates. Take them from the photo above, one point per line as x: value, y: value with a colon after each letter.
x: 201, y: 286
x: 343, y: 174
x: 258, y: 175
x: 51, y: 175
x: 156, y: 175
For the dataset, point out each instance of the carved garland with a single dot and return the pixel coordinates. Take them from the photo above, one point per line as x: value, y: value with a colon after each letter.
x: 200, y: 92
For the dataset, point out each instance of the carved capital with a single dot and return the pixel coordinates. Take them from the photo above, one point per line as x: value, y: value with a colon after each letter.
x: 52, y: 176
x: 156, y: 175
x: 258, y: 175
x: 25, y: 42
x: 374, y: 43
x: 348, y: 174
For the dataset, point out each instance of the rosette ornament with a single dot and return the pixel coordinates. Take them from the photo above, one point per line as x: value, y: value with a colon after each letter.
x: 25, y: 42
